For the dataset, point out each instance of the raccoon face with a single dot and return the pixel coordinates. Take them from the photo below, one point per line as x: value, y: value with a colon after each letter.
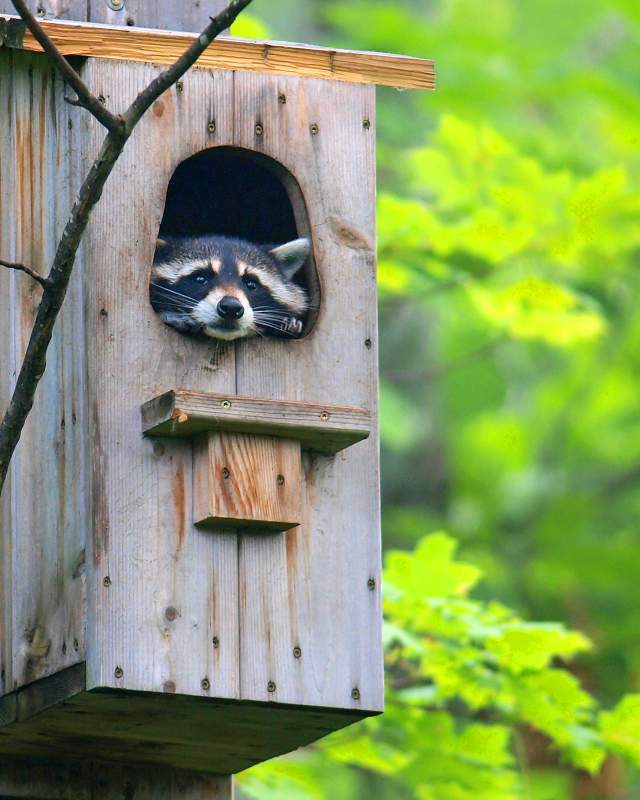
x: 229, y: 288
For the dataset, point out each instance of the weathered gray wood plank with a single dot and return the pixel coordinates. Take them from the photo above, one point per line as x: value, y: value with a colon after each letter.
x: 160, y: 589
x: 325, y: 428
x: 53, y: 9
x: 44, y: 538
x: 100, y: 781
x: 310, y: 617
x: 187, y: 15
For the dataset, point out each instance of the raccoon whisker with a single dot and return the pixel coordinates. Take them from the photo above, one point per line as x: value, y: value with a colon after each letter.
x: 162, y: 288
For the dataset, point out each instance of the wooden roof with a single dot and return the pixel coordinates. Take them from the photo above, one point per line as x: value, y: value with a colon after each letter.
x: 278, y: 58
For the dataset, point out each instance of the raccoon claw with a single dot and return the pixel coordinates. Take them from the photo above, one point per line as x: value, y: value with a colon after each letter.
x: 179, y: 323
x: 292, y: 326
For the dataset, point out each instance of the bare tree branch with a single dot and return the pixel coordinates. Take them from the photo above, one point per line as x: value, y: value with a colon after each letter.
x: 85, y: 97
x: 22, y: 268
x: 56, y: 283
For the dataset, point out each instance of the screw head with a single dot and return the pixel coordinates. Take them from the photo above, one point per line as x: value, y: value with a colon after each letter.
x: 216, y: 642
x: 259, y: 129
x: 118, y: 672
x: 324, y: 416
x: 368, y: 344
x: 271, y: 687
x: 115, y: 5
x: 102, y: 99
x: 371, y: 583
x: 297, y: 652
x: 355, y: 693
x: 366, y: 124
x: 179, y: 86
x: 171, y: 613
x: 282, y: 98
x: 315, y: 129
x: 106, y: 581
x: 211, y: 127
x: 280, y: 480
x: 226, y: 404
x: 206, y: 685
x: 226, y: 473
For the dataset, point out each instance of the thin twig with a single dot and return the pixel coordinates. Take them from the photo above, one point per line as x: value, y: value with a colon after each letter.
x: 85, y: 97
x: 23, y: 268
x: 56, y: 283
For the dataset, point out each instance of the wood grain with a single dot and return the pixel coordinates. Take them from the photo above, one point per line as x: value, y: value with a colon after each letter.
x: 99, y: 781
x: 173, y: 731
x: 44, y: 511
x: 310, y: 625
x: 323, y: 428
x: 275, y: 58
x: 53, y: 9
x: 160, y: 589
x: 247, y: 481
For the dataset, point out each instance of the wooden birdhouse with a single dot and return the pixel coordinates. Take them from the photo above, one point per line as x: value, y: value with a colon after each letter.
x: 190, y: 548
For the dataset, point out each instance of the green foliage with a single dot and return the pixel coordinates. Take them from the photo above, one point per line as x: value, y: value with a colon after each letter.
x: 466, y: 680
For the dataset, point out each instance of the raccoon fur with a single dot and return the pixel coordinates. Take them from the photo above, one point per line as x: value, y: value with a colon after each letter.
x: 229, y: 288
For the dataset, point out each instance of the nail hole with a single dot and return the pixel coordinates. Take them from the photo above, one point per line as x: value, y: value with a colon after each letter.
x: 216, y: 642
x: 366, y: 124
x: 371, y: 583
x: 280, y: 480
x: 225, y: 473
x: 171, y: 614
x: 282, y: 99
x: 106, y: 582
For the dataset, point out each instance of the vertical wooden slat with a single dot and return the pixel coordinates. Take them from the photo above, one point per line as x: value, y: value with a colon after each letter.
x: 186, y: 15
x: 87, y: 781
x: 53, y: 9
x: 309, y: 588
x: 47, y: 493
x: 7, y: 367
x: 160, y: 589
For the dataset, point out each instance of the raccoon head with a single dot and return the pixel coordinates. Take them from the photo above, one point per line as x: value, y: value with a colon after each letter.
x: 229, y: 288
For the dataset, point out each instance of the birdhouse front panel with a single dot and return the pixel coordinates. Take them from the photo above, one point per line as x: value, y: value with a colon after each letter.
x: 254, y: 612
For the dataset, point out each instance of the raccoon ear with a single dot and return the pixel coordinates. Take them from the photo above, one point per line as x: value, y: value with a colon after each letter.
x: 291, y: 256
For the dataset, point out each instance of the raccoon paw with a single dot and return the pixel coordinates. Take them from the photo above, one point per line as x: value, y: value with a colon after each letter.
x: 180, y: 323
x: 292, y: 326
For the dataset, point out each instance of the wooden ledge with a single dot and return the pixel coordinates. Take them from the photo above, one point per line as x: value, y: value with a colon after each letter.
x: 323, y: 428
x: 278, y: 58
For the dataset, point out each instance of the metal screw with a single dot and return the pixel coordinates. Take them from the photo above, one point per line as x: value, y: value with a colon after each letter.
x: 366, y: 124
x: 226, y: 404
x: 225, y: 473
x: 297, y: 652
x: 115, y: 5
x: 271, y: 687
x: 118, y: 672
x: 355, y: 693
x: 280, y: 480
x: 324, y: 416
x: 102, y: 99
x: 368, y: 344
x: 106, y: 582
x: 104, y: 312
x: 315, y: 129
x: 211, y: 127
x: 371, y: 583
x: 259, y: 129
x: 282, y: 99
x: 179, y: 86
x: 170, y: 614
x: 216, y: 642
x: 205, y: 685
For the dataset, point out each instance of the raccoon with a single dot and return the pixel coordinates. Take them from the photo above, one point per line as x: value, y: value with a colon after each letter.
x: 229, y: 288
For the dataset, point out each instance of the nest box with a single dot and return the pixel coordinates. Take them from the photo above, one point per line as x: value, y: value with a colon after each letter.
x: 190, y: 548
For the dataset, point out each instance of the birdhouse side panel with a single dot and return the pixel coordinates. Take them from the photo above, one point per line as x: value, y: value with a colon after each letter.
x: 44, y: 505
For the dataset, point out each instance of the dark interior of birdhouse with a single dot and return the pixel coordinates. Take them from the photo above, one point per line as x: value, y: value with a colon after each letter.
x: 230, y: 191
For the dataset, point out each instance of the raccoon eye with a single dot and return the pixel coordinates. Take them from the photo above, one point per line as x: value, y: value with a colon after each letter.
x: 250, y: 283
x: 200, y: 279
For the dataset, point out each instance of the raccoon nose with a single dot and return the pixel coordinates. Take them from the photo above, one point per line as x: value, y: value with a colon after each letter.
x: 230, y: 307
